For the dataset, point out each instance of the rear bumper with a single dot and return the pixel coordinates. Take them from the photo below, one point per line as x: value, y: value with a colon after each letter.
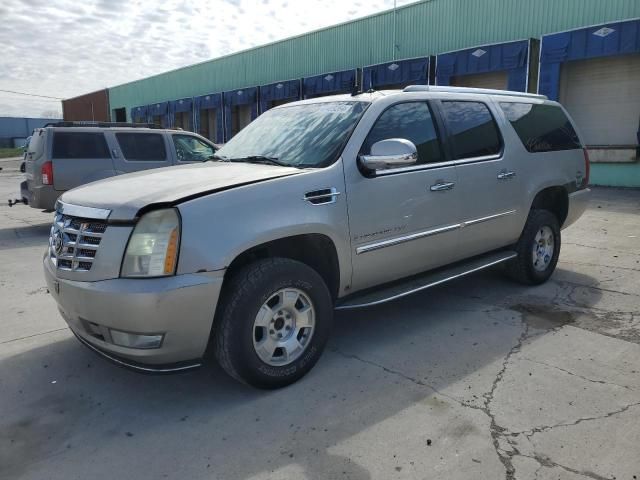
x: 578, y: 202
x: 43, y: 197
x: 180, y: 308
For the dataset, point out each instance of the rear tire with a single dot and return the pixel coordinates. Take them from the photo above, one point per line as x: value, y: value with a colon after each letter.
x: 538, y: 249
x: 274, y: 323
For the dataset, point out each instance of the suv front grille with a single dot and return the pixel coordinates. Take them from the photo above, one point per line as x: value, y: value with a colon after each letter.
x: 74, y: 242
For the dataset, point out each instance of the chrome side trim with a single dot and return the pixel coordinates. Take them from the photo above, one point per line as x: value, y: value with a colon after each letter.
x: 405, y: 238
x: 427, y: 233
x: 428, y: 285
x: 133, y: 366
x: 431, y: 166
x: 83, y: 212
x: 487, y: 218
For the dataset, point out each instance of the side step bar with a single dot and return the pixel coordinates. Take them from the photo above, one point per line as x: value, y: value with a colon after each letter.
x: 420, y: 282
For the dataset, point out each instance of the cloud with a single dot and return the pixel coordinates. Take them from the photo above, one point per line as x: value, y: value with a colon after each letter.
x: 65, y: 48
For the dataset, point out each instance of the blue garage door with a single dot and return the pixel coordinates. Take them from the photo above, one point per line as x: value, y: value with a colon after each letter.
x: 181, y: 114
x: 397, y: 74
x: 209, y: 117
x: 330, y: 83
x: 240, y: 108
x: 159, y: 114
x: 511, y: 57
x: 139, y: 114
x: 609, y: 39
x: 278, y: 93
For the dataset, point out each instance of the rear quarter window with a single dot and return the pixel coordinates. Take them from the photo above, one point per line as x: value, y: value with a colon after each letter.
x: 36, y: 144
x: 471, y: 128
x: 144, y: 147
x: 541, y: 128
x: 79, y: 145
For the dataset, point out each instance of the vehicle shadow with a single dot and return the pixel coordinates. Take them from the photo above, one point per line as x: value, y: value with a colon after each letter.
x: 66, y: 411
x: 24, y: 236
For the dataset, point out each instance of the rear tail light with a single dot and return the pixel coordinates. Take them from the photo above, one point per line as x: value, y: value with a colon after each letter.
x: 47, y: 173
x: 587, y: 168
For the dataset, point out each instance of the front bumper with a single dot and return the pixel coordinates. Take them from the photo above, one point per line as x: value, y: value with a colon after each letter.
x: 181, y: 308
x: 578, y: 202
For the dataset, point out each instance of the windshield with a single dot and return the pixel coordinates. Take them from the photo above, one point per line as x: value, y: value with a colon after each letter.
x: 310, y: 135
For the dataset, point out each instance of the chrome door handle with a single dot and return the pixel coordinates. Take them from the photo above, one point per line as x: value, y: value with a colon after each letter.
x: 439, y: 187
x: 505, y: 175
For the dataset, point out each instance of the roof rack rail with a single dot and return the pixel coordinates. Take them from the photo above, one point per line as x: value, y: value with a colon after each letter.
x: 102, y: 124
x: 485, y: 91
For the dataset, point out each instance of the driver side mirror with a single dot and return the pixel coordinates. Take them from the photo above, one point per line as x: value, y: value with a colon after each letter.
x: 390, y: 153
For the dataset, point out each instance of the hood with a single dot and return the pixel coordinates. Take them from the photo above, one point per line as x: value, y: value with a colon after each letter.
x: 125, y: 195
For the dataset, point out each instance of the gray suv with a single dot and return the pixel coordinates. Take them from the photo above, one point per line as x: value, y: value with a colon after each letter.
x: 332, y: 203
x: 65, y: 155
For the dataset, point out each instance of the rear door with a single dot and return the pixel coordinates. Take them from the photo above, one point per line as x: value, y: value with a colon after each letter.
x: 79, y: 157
x: 135, y: 151
x: 488, y: 177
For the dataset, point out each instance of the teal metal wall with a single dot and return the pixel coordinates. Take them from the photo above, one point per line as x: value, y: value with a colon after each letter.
x: 425, y: 28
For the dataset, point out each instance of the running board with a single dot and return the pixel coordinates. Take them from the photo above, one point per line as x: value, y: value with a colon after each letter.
x: 423, y: 281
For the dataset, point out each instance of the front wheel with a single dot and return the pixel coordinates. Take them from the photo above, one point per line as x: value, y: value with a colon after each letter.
x: 274, y: 323
x: 538, y: 249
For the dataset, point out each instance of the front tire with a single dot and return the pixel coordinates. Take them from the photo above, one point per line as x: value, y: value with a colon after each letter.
x: 274, y: 323
x: 538, y: 249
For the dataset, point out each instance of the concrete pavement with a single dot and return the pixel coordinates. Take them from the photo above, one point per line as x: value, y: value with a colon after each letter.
x: 480, y: 378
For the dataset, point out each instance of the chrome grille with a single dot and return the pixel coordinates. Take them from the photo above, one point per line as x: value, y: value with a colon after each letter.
x: 74, y: 242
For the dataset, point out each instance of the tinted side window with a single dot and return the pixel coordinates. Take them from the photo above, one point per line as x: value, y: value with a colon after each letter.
x: 411, y: 121
x: 142, y: 146
x: 541, y: 128
x: 472, y: 130
x: 79, y: 145
x: 192, y: 149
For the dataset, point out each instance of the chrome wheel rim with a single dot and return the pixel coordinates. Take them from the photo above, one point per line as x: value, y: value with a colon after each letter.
x: 283, y: 327
x: 543, y: 246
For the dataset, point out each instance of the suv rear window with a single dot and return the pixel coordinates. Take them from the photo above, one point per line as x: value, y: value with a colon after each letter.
x: 142, y: 146
x: 541, y: 128
x: 471, y: 128
x: 79, y: 145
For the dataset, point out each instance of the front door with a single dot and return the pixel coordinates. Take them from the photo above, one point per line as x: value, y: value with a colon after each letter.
x: 487, y: 177
x: 403, y: 221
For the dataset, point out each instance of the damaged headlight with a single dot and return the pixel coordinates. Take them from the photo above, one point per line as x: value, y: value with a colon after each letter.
x: 152, y: 250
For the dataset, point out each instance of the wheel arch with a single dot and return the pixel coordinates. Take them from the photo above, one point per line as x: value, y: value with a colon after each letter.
x: 316, y: 250
x: 554, y: 199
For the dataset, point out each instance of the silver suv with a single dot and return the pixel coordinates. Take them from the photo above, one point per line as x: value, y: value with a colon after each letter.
x: 332, y: 203
x: 65, y: 155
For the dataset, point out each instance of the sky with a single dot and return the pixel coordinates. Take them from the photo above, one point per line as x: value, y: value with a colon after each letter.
x: 65, y: 48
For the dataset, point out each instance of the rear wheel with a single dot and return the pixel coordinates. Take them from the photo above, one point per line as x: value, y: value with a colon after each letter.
x: 538, y: 249
x: 274, y: 323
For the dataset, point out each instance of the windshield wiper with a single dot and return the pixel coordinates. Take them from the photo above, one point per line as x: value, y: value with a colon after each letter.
x: 215, y: 156
x: 260, y: 159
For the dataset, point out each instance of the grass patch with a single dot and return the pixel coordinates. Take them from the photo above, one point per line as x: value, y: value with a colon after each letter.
x: 11, y: 152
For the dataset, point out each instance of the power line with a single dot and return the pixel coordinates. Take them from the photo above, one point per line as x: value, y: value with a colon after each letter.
x: 28, y: 99
x: 30, y: 94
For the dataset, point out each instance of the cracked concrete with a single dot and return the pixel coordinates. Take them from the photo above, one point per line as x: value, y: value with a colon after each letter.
x: 480, y: 378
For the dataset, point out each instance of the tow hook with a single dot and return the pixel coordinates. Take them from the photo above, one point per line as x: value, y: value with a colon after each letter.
x: 16, y: 201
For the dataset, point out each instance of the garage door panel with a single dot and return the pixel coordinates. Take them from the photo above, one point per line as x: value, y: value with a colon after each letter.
x: 497, y: 80
x: 603, y: 97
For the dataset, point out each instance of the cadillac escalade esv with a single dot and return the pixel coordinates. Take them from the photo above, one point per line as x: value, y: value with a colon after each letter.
x: 330, y: 203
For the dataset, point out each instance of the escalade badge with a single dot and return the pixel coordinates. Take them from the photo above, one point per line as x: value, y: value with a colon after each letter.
x: 57, y: 243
